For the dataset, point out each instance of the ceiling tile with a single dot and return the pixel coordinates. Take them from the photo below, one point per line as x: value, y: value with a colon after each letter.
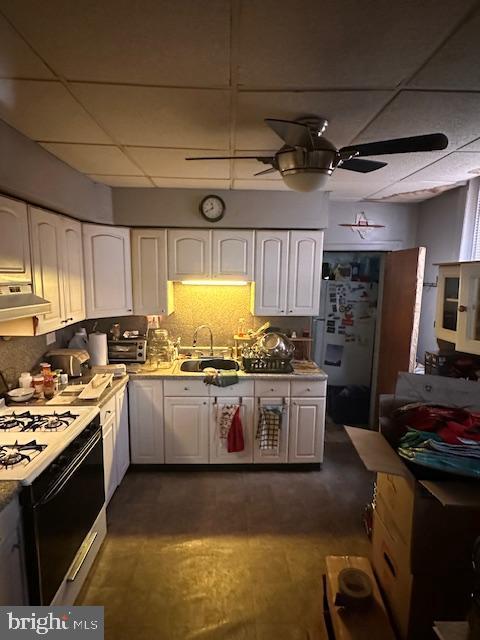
x: 94, y: 159
x: 182, y: 43
x: 172, y: 163
x: 472, y: 146
x: 454, y: 167
x: 411, y: 191
x: 245, y: 169
x: 190, y: 183
x: 17, y: 59
x: 149, y: 116
x: 46, y: 111
x: 347, y: 111
x: 455, y: 66
x: 122, y: 181
x: 418, y: 112
x: 260, y: 184
x: 307, y: 43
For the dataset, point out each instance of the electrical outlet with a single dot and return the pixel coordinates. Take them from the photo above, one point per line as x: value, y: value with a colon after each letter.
x: 51, y: 337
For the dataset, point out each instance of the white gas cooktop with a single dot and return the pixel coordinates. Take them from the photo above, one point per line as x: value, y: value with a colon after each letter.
x: 32, y: 437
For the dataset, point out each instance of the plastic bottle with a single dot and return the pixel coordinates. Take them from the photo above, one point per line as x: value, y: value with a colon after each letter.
x: 25, y: 380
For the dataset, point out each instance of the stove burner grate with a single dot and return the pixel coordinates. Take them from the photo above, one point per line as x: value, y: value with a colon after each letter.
x: 43, y: 422
x: 15, y: 421
x: 13, y: 454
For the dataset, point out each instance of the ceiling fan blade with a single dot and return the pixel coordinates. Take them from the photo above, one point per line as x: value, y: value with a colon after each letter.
x: 361, y: 166
x: 295, y: 134
x: 262, y: 159
x: 265, y: 171
x: 429, y: 142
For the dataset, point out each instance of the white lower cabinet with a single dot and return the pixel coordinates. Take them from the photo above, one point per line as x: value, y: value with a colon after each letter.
x: 307, y: 424
x: 186, y: 430
x: 122, y: 437
x: 108, y: 430
x: 146, y: 421
x: 218, y: 446
x: 281, y: 454
x: 12, y: 576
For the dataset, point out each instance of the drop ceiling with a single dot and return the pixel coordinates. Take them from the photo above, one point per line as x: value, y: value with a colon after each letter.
x: 124, y: 91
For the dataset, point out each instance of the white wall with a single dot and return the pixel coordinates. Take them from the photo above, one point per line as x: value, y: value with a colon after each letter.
x: 440, y: 223
x: 399, y: 232
x: 244, y: 209
x: 30, y: 173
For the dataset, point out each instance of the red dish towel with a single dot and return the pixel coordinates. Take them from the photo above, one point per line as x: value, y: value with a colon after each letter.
x: 235, y: 434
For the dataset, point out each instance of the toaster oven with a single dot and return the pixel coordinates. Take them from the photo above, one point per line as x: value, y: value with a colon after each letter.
x: 131, y: 350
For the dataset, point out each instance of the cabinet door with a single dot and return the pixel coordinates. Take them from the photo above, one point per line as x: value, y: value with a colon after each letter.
x: 218, y: 446
x: 72, y: 270
x: 189, y: 254
x: 146, y: 421
x: 281, y: 454
x: 468, y: 329
x: 307, y: 426
x: 448, y: 290
x: 304, y: 272
x: 108, y: 276
x: 12, y: 588
x: 122, y: 437
x: 14, y: 246
x: 152, y: 293
x: 46, y: 235
x: 109, y: 470
x: 232, y: 257
x: 186, y: 430
x: 271, y: 270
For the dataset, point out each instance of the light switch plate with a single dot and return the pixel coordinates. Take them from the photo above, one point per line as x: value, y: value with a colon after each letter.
x: 51, y: 337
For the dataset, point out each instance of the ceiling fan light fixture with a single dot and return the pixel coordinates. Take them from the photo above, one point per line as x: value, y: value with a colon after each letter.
x: 305, y: 180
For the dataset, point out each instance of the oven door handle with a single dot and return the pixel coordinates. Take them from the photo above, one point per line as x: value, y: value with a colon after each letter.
x: 68, y: 473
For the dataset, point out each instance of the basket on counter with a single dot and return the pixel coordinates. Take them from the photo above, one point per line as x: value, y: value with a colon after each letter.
x: 267, y: 365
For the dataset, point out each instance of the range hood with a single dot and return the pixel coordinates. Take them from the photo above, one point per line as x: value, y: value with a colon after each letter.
x: 19, y: 301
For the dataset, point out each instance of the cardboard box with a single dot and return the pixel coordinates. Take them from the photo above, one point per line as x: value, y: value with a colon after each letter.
x: 415, y: 601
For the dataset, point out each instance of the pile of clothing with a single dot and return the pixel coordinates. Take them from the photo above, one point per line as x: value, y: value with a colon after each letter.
x: 443, y: 438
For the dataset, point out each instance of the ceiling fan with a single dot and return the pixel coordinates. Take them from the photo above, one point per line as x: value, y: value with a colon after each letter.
x: 307, y: 159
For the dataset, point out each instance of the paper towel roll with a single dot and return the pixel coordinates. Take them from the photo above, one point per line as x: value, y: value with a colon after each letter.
x: 98, y: 348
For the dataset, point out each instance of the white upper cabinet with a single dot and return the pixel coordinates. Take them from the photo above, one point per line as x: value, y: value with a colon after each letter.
x: 232, y: 254
x: 47, y: 252
x: 189, y: 254
x: 271, y: 273
x: 72, y: 270
x: 152, y: 292
x: 108, y: 275
x: 468, y: 329
x: 448, y: 289
x: 14, y: 246
x: 304, y: 272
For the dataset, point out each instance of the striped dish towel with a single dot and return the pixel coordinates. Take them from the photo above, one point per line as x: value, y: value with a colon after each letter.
x: 268, y: 429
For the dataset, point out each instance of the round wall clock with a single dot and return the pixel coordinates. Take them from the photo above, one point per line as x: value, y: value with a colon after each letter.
x: 212, y: 208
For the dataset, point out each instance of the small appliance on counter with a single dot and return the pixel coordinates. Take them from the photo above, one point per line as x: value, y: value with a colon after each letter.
x: 74, y: 362
x: 127, y: 350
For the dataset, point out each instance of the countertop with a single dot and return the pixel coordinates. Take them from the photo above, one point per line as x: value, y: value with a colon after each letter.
x: 174, y: 373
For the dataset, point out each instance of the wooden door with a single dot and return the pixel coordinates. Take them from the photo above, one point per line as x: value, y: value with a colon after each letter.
x: 232, y: 254
x: 146, y: 421
x: 122, y: 438
x: 72, y: 270
x: 400, y: 316
x: 218, y: 446
x: 152, y: 292
x: 186, y: 430
x: 46, y: 234
x: 189, y: 254
x: 304, y: 273
x: 271, y: 273
x: 307, y: 426
x: 468, y: 329
x: 108, y: 276
x: 14, y: 246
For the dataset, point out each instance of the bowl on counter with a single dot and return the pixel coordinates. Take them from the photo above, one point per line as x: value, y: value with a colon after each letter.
x: 21, y: 394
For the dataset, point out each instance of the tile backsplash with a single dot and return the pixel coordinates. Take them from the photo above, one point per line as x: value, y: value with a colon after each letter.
x: 220, y: 307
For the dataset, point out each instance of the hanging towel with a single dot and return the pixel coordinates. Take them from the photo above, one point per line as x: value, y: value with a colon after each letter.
x: 225, y: 415
x: 235, y: 440
x: 269, y: 425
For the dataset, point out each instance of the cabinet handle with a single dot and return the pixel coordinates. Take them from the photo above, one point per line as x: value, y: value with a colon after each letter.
x: 205, y: 402
x: 129, y: 309
x: 462, y: 308
x: 186, y: 388
x: 290, y: 311
x: 282, y: 311
x: 308, y: 389
x: 272, y: 390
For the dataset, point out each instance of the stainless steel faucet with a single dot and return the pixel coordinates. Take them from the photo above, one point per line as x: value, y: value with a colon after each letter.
x: 194, y: 339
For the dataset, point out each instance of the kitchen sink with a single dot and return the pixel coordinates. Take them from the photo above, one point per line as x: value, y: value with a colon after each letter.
x: 196, y: 366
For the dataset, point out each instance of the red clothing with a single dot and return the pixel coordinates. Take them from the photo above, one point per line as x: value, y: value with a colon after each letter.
x: 235, y: 440
x: 450, y: 423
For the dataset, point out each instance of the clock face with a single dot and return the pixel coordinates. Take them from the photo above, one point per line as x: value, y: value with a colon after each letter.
x: 212, y: 208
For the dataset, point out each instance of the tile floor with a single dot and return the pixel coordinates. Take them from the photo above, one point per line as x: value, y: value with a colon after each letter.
x: 226, y: 555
